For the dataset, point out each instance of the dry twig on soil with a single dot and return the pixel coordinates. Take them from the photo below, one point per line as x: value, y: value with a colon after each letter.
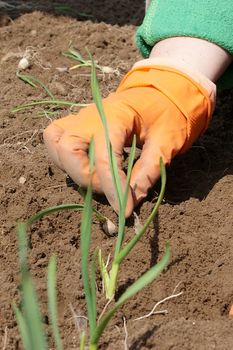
x: 153, y: 312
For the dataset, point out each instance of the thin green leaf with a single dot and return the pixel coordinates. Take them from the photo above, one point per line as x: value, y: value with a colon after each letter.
x: 112, y: 280
x: 26, y: 79
x: 21, y: 229
x: 24, y: 332
x: 55, y: 103
x: 93, y: 282
x: 146, y: 278
x: 75, y: 55
x: 87, y: 15
x: 52, y: 302
x: 64, y: 9
x: 31, y: 312
x: 87, y: 64
x: 104, y: 273
x: 129, y: 246
x: 112, y: 159
x: 82, y: 341
x: 85, y: 247
x: 45, y: 113
x: 31, y: 80
x: 51, y: 210
x: 142, y: 282
x: 121, y: 230
x: 61, y: 207
x: 129, y: 170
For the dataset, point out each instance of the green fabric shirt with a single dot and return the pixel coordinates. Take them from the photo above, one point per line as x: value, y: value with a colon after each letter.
x: 211, y: 20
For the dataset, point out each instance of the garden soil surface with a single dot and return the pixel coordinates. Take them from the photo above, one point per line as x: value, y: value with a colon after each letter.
x: 196, y: 216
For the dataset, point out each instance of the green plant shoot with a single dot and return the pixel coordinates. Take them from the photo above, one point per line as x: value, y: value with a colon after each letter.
x: 110, y: 279
x: 29, y: 317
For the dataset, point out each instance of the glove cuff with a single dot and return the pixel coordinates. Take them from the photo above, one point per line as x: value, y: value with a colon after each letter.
x: 188, y: 95
x: 202, y: 80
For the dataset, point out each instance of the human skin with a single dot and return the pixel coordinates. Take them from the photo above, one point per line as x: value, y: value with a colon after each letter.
x: 195, y: 54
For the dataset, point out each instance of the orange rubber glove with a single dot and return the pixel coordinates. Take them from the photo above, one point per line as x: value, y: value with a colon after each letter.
x: 166, y: 110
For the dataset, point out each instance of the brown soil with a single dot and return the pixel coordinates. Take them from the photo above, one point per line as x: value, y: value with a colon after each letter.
x: 196, y: 216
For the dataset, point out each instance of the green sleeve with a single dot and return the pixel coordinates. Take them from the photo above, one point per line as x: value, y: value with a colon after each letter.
x: 211, y: 20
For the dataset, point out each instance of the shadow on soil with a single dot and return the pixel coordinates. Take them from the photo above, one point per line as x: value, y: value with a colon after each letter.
x: 196, y: 172
x: 143, y: 340
x: 121, y: 12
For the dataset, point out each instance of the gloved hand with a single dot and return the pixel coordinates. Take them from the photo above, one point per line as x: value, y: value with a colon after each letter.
x: 166, y: 110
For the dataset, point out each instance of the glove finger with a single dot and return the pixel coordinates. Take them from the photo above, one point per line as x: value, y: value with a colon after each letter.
x: 118, y: 140
x: 146, y: 170
x: 73, y: 154
x: 52, y: 135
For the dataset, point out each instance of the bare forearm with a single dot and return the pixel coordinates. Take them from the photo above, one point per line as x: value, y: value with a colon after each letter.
x: 196, y: 54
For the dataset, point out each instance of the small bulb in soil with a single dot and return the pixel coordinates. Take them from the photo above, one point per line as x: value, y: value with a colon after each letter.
x: 137, y: 224
x: 62, y: 69
x: 107, y: 70
x: 23, y: 63
x: 109, y: 227
x: 22, y: 180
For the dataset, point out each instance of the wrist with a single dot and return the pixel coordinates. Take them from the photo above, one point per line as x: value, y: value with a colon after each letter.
x: 196, y: 54
x: 199, y: 78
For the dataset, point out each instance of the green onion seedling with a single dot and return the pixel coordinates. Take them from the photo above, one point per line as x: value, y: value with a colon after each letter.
x: 88, y: 268
x: 110, y: 279
x: 33, y: 81
x: 29, y: 317
x: 53, y: 103
x: 75, y: 55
